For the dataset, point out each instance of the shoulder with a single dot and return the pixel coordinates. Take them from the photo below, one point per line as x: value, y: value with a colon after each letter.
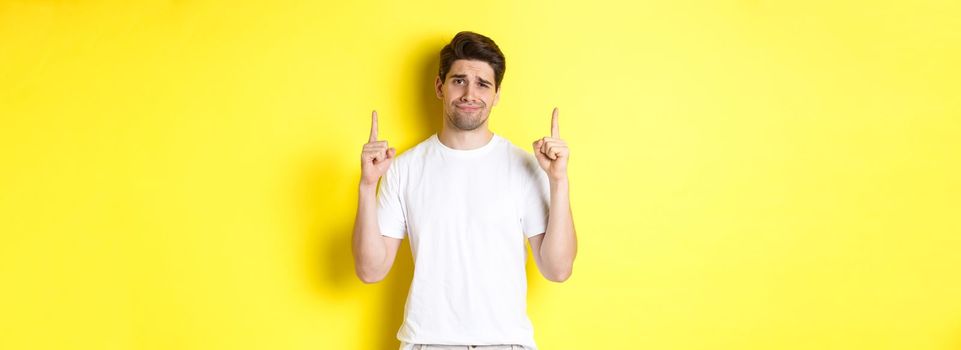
x: 414, y: 154
x: 524, y: 159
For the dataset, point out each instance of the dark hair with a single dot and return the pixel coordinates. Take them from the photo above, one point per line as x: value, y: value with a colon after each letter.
x: 472, y: 46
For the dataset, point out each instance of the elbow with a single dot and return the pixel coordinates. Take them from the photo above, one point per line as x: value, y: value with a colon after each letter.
x: 559, y: 275
x: 368, y: 278
x: 559, y: 269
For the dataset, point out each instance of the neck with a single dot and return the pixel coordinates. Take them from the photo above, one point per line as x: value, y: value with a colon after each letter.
x: 463, y: 139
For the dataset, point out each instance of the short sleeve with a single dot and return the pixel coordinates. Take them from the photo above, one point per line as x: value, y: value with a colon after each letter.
x: 535, y: 203
x: 390, y: 208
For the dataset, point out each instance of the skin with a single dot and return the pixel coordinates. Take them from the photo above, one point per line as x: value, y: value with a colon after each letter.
x: 468, y: 93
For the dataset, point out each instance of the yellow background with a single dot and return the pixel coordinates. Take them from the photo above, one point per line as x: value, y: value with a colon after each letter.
x: 745, y: 174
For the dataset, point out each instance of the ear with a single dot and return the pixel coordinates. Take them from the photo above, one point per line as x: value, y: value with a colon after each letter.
x: 497, y: 97
x: 437, y: 87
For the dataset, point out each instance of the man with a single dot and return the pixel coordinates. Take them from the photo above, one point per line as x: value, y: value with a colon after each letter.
x: 467, y: 198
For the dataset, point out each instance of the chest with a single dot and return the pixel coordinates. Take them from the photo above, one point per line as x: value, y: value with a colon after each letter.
x: 463, y: 199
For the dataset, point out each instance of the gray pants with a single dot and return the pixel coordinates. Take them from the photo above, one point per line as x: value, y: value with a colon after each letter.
x: 467, y: 347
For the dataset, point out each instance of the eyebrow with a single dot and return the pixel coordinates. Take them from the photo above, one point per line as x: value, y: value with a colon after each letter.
x: 465, y: 76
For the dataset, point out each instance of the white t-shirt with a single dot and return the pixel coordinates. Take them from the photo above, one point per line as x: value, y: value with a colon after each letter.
x: 467, y: 213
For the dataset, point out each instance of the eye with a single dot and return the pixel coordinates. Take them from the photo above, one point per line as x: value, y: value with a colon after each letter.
x: 458, y: 81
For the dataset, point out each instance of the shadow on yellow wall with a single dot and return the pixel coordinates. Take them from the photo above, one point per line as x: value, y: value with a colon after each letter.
x: 333, y: 256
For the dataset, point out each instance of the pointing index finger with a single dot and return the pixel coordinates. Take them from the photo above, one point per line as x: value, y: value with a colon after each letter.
x: 555, y: 130
x: 373, y: 126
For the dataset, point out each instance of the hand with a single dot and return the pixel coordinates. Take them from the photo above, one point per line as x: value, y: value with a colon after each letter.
x: 552, y: 152
x: 376, y: 157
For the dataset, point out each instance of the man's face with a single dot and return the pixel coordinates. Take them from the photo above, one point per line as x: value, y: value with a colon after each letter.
x: 468, y: 93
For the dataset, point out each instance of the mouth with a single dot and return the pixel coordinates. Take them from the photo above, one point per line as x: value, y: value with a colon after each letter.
x: 468, y: 108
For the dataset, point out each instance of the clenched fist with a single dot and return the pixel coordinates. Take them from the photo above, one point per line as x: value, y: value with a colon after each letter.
x: 552, y: 152
x: 376, y: 157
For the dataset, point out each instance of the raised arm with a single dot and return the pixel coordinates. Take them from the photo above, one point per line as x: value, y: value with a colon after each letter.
x: 554, y: 251
x: 373, y: 253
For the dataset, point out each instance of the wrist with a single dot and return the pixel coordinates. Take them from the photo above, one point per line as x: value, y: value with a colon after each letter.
x: 367, y: 187
x: 559, y: 184
x: 558, y: 179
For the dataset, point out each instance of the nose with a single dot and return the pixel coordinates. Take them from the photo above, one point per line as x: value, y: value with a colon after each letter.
x: 468, y: 95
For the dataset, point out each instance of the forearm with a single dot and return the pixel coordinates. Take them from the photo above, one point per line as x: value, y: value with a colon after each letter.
x: 369, y: 249
x: 560, y: 241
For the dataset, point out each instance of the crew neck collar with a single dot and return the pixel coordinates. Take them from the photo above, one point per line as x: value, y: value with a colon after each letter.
x: 466, y: 152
